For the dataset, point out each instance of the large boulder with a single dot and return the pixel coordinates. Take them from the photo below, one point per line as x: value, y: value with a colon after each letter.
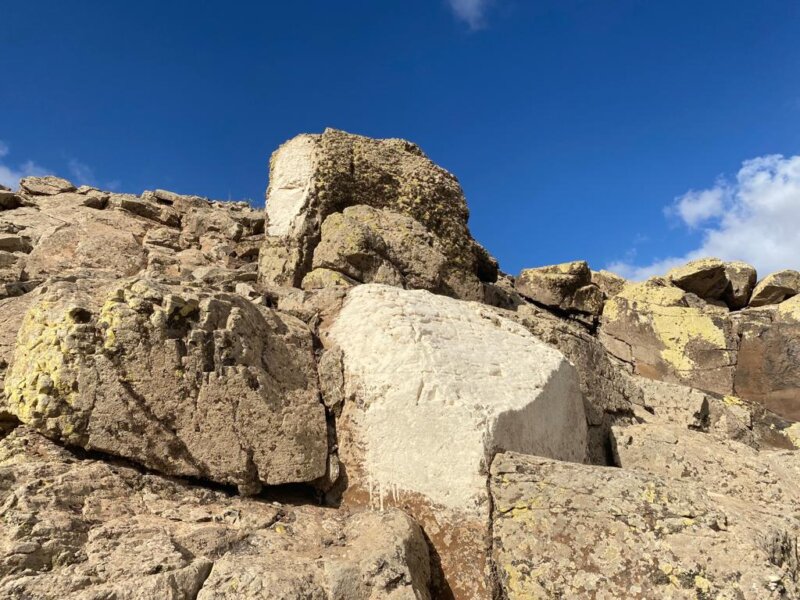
x: 433, y: 388
x: 566, y: 286
x: 775, y: 288
x: 314, y: 176
x: 705, y: 277
x: 667, y: 334
x: 563, y: 530
x: 86, y: 528
x: 369, y: 245
x: 45, y: 186
x: 182, y: 381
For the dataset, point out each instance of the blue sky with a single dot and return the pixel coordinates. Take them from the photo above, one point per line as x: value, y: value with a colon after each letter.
x: 631, y: 133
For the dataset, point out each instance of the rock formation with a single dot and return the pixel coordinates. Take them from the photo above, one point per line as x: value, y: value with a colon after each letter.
x: 345, y: 399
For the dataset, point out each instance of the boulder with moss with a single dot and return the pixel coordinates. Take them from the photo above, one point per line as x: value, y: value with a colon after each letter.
x: 314, y: 176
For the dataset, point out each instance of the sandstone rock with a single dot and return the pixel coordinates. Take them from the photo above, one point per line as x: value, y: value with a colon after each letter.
x: 609, y: 283
x: 775, y: 288
x: 705, y: 277
x: 314, y: 176
x: 82, y: 528
x: 567, y: 286
x: 434, y: 387
x: 570, y: 531
x: 182, y: 381
x: 742, y: 280
x: 667, y: 334
x: 766, y: 369
x: 45, y: 186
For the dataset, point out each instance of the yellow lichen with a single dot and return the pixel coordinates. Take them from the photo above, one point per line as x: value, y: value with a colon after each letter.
x: 733, y: 401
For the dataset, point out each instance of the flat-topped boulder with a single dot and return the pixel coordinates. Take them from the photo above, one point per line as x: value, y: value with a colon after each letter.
x: 45, y: 186
x: 434, y: 387
x: 315, y: 176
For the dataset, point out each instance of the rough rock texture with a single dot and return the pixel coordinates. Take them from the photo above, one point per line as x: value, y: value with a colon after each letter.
x: 567, y: 286
x: 741, y: 282
x: 667, y: 334
x: 609, y: 283
x: 570, y: 531
x: 314, y: 176
x: 313, y: 356
x: 426, y: 376
x: 187, y: 382
x: 767, y: 367
x: 74, y: 527
x: 776, y: 288
x: 705, y: 277
x: 369, y: 245
x: 609, y: 393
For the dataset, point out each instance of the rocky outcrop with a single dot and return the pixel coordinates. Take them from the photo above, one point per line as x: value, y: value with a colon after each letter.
x: 187, y: 382
x: 78, y: 527
x: 567, y: 287
x: 426, y: 376
x: 667, y: 334
x: 181, y: 388
x: 315, y: 176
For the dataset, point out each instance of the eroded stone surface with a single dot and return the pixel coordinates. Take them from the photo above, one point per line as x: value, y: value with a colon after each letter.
x: 567, y: 286
x: 427, y: 376
x: 705, y: 277
x: 81, y: 528
x: 314, y: 176
x: 563, y: 530
x: 667, y: 334
x: 182, y: 381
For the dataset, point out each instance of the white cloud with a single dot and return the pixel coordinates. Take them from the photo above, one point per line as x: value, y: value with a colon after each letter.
x: 470, y: 11
x: 82, y: 174
x: 755, y: 219
x: 10, y: 175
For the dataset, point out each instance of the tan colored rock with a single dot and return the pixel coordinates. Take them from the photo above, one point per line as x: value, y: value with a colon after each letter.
x: 371, y: 245
x: 563, y: 530
x: 325, y: 278
x: 314, y: 176
x: 45, y: 186
x: 434, y: 387
x: 721, y: 417
x: 768, y: 479
x: 82, y: 528
x: 766, y: 369
x: 609, y: 283
x: 182, y: 381
x: 669, y: 335
x: 705, y: 277
x: 775, y: 288
x: 741, y: 282
x: 567, y: 286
